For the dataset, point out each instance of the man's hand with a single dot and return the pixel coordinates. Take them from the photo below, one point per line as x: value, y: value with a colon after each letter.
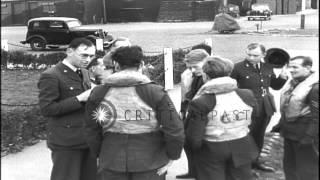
x: 165, y: 168
x: 83, y: 97
x: 284, y: 74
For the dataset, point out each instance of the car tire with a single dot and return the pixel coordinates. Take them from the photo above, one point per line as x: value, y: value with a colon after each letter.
x: 37, y: 44
x: 249, y: 19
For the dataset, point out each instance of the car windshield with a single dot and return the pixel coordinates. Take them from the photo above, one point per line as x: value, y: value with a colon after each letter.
x: 259, y: 7
x: 74, y: 23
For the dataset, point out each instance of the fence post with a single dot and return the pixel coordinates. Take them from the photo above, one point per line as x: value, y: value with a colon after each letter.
x: 5, y: 47
x: 168, y: 68
x: 99, y: 44
x: 302, y: 21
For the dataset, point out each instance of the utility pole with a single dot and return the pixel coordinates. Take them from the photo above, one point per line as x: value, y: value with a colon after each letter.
x: 225, y: 2
x: 303, y: 5
x: 104, y: 11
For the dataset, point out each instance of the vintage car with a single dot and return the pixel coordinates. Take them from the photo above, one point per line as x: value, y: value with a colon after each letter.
x: 231, y: 9
x: 259, y: 12
x: 56, y: 31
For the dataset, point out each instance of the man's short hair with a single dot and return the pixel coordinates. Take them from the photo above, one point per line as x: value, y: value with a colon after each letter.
x: 128, y: 56
x: 256, y: 45
x: 195, y: 56
x: 217, y: 66
x: 306, y: 60
x: 203, y: 46
x: 75, y: 43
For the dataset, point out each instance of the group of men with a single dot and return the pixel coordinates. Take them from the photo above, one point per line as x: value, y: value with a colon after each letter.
x: 127, y: 128
x: 300, y: 131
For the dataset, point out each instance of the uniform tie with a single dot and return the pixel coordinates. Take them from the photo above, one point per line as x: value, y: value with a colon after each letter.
x: 257, y: 67
x: 78, y: 71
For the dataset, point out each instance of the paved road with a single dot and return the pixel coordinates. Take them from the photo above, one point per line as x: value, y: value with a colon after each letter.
x: 153, y: 37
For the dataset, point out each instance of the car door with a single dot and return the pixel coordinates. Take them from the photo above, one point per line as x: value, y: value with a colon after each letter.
x: 58, y: 33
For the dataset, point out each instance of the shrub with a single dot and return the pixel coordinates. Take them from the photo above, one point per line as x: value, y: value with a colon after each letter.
x: 4, y: 58
x: 29, y: 61
x: 157, y: 72
x: 20, y: 126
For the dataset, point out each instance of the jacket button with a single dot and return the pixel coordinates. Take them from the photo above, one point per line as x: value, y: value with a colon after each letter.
x: 71, y: 88
x: 68, y: 126
x: 261, y: 80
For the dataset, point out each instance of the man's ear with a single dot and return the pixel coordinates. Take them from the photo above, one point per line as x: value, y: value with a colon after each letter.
x: 309, y: 67
x: 69, y: 51
x: 117, y: 67
x: 205, y: 77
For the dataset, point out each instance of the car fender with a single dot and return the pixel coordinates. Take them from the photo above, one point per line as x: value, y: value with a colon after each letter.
x: 92, y: 37
x: 36, y: 36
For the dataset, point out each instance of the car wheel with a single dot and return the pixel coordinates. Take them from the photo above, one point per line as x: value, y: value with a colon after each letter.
x: 37, y: 44
x: 249, y: 19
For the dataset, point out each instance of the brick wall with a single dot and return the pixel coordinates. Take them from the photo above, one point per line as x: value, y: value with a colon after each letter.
x: 289, y: 6
x: 182, y: 10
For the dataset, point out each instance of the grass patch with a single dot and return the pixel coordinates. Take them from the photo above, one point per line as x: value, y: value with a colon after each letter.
x: 21, y: 121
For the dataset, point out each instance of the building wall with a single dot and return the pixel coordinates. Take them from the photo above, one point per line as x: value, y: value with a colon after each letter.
x: 183, y: 10
x: 315, y: 4
x: 132, y: 10
x: 18, y: 12
x: 93, y: 12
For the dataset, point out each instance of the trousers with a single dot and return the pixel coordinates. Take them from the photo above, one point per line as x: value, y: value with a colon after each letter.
x: 73, y: 165
x: 300, y: 161
x: 146, y: 175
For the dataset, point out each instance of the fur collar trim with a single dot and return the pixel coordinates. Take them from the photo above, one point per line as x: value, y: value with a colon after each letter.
x: 218, y: 86
x: 127, y: 78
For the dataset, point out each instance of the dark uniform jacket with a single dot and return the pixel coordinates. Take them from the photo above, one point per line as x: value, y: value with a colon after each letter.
x: 58, y: 88
x: 134, y: 152
x: 196, y: 83
x: 259, y: 81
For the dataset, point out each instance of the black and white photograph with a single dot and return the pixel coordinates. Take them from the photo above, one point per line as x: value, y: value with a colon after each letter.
x: 159, y: 90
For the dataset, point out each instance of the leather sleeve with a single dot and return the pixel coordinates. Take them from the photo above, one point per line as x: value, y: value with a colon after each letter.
x: 93, y: 130
x: 49, y: 97
x: 167, y: 116
x: 197, y: 119
x: 313, y: 101
x: 248, y: 97
x: 277, y: 83
x: 171, y: 126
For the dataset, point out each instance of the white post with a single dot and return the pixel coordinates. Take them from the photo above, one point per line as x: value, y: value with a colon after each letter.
x: 209, y: 42
x: 168, y: 68
x: 4, y: 45
x: 225, y: 2
x: 99, y: 44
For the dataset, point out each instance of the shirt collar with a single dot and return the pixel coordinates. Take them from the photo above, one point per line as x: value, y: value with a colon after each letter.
x: 65, y: 62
